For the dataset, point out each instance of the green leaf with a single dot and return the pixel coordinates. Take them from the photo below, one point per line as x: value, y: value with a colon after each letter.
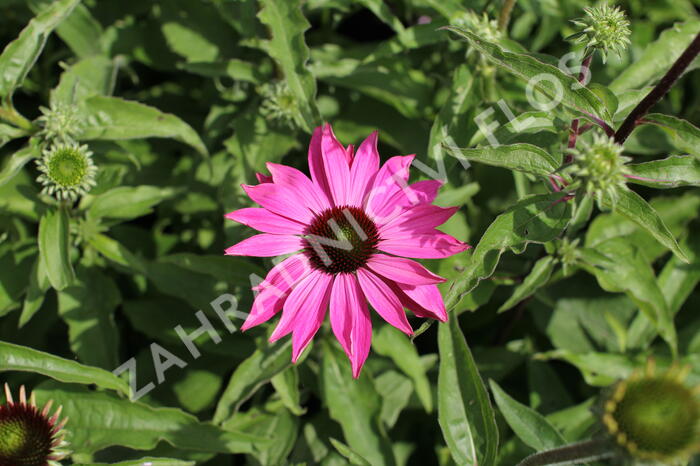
x: 657, y: 57
x: 287, y: 46
x: 19, y: 56
x: 54, y: 247
x: 393, y: 344
x: 89, y: 77
x: 530, y: 426
x: 21, y: 358
x: 36, y: 290
x: 128, y: 202
x: 87, y: 307
x: 80, y: 31
x: 7, y: 134
x: 465, y: 414
x: 534, y: 219
x: 520, y: 157
x: 556, y: 85
x: 537, y: 278
x: 252, y: 374
x: 112, y: 118
x: 355, y: 405
x: 116, y: 252
x: 670, y: 172
x: 100, y: 420
x: 353, y: 457
x: 286, y: 385
x: 395, y: 390
x: 620, y: 267
x: 630, y: 205
x: 16, y: 161
x: 143, y: 461
x: 684, y: 135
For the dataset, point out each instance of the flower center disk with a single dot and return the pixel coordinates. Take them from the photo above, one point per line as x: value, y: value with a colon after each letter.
x: 341, y: 240
x: 25, y: 436
x: 67, y: 167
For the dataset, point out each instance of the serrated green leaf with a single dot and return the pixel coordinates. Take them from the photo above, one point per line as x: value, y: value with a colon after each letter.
x: 87, y: 307
x: 54, y: 247
x: 684, y: 135
x: 251, y: 374
x: 355, y: 405
x: 21, y: 358
x: 464, y: 411
x: 537, y: 278
x: 524, y: 158
x: 393, y: 344
x: 535, y: 219
x: 631, y: 205
x: 548, y: 79
x: 530, y: 426
x: 19, y: 56
x: 670, y: 172
x: 100, y: 420
x: 112, y: 118
x: 287, y: 25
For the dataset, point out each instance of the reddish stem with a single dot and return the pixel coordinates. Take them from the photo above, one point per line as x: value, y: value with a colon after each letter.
x: 585, y: 68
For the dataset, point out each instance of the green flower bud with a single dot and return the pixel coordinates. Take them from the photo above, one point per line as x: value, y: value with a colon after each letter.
x: 654, y: 416
x: 603, y: 28
x: 28, y: 436
x: 600, y: 166
x: 480, y: 25
x: 279, y: 104
x: 60, y: 122
x: 67, y: 171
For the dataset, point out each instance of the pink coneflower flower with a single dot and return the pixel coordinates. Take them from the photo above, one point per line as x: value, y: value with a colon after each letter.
x: 348, y: 227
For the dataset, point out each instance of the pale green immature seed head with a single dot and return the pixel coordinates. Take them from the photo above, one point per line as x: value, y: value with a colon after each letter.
x: 600, y: 167
x: 654, y: 417
x: 67, y: 171
x: 604, y: 28
x: 61, y: 122
x: 279, y: 104
x: 480, y: 25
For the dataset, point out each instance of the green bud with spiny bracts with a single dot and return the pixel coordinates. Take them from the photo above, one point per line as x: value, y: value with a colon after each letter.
x: 67, y: 171
x: 604, y: 28
x: 60, y: 123
x: 29, y: 436
x: 654, y: 417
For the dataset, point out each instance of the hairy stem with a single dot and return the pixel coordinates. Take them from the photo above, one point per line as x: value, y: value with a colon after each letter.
x: 576, y: 453
x: 504, y: 16
x: 583, y: 74
x: 659, y: 91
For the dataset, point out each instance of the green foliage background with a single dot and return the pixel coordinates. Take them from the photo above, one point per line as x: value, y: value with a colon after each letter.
x: 184, y: 100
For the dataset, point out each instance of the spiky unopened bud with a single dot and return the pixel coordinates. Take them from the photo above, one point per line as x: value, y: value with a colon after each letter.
x: 604, y: 28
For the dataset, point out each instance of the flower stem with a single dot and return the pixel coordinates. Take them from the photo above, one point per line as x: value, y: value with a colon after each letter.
x: 11, y: 116
x: 504, y: 16
x: 585, y: 67
x: 576, y: 453
x: 659, y: 91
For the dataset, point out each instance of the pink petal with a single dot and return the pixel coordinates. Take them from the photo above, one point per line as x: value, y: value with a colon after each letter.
x: 421, y: 192
x: 420, y: 219
x: 435, y: 245
x: 279, y: 200
x: 304, y: 308
x: 349, y: 154
x: 390, y: 179
x: 350, y: 320
x: 383, y: 300
x: 286, y: 273
x: 303, y: 187
x: 263, y: 178
x: 423, y: 301
x: 266, y: 245
x: 266, y: 304
x: 402, y: 270
x: 316, y: 165
x: 266, y: 221
x: 364, y: 168
x: 335, y: 166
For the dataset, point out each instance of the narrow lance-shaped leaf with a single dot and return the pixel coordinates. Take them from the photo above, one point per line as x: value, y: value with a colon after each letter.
x: 21, y: 358
x: 525, y: 158
x: 684, y: 135
x: 128, y: 202
x: 464, y: 411
x: 113, y: 118
x: 545, y: 78
x: 530, y: 426
x: 100, y: 420
x: 537, y: 278
x: 16, y: 161
x: 54, y: 247
x: 20, y: 55
x: 535, y: 219
x: 631, y: 205
x: 670, y: 172
x: 287, y: 46
x: 36, y: 290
